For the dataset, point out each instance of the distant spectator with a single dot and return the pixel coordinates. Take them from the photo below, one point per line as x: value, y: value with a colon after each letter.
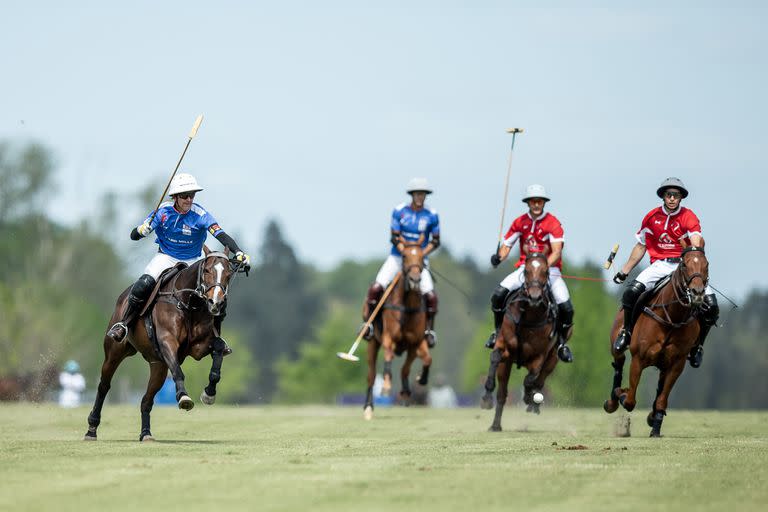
x: 72, y: 385
x: 441, y: 395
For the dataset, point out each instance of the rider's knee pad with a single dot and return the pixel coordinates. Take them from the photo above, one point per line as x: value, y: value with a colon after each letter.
x: 498, y: 298
x: 143, y: 287
x: 711, y: 311
x: 431, y: 300
x: 631, y: 293
x: 374, y: 293
x: 565, y: 311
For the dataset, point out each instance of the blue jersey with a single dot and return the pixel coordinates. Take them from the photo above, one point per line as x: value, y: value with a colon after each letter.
x: 412, y: 223
x: 182, y: 235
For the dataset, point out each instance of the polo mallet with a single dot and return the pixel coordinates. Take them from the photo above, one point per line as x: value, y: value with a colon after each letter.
x: 350, y: 356
x: 192, y: 134
x: 514, y: 132
x: 609, y: 261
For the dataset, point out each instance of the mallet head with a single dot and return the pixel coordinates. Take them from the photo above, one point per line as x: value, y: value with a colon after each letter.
x: 515, y: 130
x: 347, y: 356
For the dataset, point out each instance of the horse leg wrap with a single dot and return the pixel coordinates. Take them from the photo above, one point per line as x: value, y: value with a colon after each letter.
x: 93, y: 421
x: 424, y: 378
x: 658, y: 418
x: 388, y: 368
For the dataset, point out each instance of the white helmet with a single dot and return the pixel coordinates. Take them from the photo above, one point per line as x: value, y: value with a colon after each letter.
x: 183, y: 183
x: 418, y: 185
x: 535, y: 191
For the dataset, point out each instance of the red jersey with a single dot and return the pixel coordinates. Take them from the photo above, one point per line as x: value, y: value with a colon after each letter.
x: 536, y: 234
x: 661, y: 233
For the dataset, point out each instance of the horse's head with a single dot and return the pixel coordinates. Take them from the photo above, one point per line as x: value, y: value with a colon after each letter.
x: 536, y: 275
x: 694, y: 273
x: 214, y: 275
x: 413, y: 262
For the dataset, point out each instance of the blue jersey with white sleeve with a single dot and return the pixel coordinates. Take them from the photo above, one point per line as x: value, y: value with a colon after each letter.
x: 411, y: 224
x: 182, y: 235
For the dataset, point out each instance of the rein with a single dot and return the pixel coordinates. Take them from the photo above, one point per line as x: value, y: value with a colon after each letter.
x: 200, y: 287
x: 680, y: 283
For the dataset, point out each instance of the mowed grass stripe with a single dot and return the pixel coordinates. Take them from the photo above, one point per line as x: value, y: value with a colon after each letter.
x: 329, y: 458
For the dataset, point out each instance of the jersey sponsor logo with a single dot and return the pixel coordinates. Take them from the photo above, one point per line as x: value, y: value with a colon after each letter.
x: 658, y: 222
x: 186, y: 230
x: 422, y: 224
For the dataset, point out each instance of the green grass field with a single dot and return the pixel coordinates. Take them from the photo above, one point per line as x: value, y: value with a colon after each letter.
x: 329, y: 458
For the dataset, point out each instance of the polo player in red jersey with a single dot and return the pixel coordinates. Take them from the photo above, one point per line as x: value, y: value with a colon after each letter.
x: 538, y: 231
x: 662, y: 234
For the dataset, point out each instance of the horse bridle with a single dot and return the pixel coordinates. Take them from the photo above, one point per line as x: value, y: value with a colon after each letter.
x: 536, y: 283
x: 688, y: 279
x: 201, y: 289
x: 419, y: 265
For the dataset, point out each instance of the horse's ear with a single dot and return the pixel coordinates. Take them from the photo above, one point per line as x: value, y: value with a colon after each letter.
x: 206, y: 250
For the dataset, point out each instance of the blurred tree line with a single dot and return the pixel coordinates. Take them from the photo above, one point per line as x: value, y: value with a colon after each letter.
x: 287, y: 320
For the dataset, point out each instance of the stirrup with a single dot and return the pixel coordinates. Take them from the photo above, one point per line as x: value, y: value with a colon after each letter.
x: 115, y: 334
x: 622, y: 341
x: 491, y: 342
x: 564, y: 353
x: 431, y: 337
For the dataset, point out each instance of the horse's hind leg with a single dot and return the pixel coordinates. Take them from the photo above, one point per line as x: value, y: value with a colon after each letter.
x: 157, y: 373
x: 114, y: 353
x: 208, y: 396
x: 663, y: 391
x: 505, y: 369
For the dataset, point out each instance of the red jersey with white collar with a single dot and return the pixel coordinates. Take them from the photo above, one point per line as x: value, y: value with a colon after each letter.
x: 661, y: 232
x: 536, y: 234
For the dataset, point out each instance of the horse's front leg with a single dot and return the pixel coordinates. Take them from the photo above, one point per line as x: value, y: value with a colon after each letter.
x: 405, y: 371
x: 505, y: 369
x: 208, y: 396
x: 426, y: 362
x: 388, y: 345
x: 628, y: 398
x: 538, y: 371
x: 169, y: 345
x: 157, y: 373
x: 660, y: 404
x: 114, y: 353
x: 612, y: 403
x: 373, y: 351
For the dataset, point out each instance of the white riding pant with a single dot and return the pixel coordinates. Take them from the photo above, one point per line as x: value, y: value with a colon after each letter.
x: 658, y: 270
x: 161, y: 262
x: 394, y: 264
x: 556, y: 283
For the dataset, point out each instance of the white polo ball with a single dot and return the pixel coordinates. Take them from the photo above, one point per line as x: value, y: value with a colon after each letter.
x: 538, y: 397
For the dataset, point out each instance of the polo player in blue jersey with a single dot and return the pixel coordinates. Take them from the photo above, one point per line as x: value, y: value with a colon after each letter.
x: 181, y: 227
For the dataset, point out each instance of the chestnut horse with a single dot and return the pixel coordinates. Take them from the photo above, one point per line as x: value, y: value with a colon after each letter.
x: 402, y: 326
x: 184, y: 323
x: 527, y: 337
x: 665, y: 332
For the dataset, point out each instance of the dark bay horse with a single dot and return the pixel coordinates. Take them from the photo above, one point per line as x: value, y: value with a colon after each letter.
x: 184, y: 321
x: 665, y: 332
x: 527, y: 337
x: 401, y: 330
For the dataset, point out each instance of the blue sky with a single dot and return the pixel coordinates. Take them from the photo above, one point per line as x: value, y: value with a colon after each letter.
x: 320, y: 114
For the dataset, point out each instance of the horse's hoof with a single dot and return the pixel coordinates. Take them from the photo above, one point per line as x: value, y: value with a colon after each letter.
x: 89, y: 437
x: 610, y: 406
x: 147, y: 439
x: 655, y: 433
x: 649, y: 419
x: 494, y: 428
x: 534, y: 408
x: 207, y: 399
x: 486, y: 402
x: 186, y: 403
x: 368, y: 413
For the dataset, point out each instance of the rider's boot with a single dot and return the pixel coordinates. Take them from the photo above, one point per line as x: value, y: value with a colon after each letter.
x: 430, y: 335
x: 631, y: 293
x: 709, y: 315
x: 498, y: 299
x: 138, y: 295
x: 564, y: 325
x: 375, y: 291
x: 217, y: 320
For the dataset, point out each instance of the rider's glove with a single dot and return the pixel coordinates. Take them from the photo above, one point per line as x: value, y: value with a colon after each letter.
x: 620, y: 277
x: 495, y: 260
x: 243, y: 258
x: 144, y: 229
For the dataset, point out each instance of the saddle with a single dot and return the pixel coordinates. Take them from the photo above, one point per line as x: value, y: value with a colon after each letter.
x: 647, y: 295
x: 164, y: 278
